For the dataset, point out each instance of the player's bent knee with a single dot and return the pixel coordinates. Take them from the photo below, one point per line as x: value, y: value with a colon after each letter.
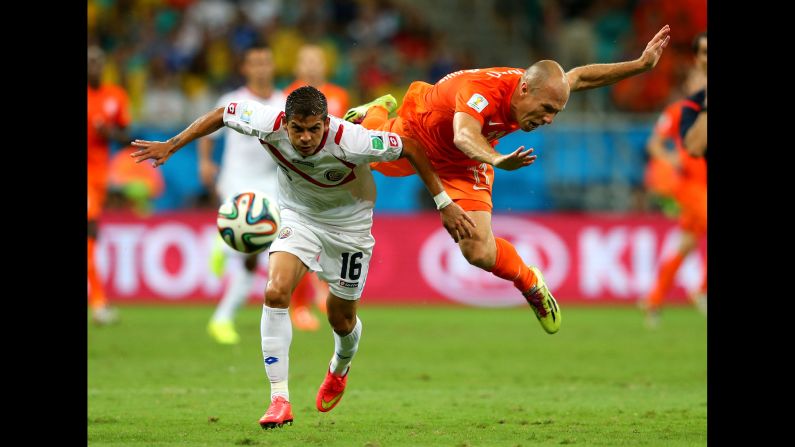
x: 476, y: 254
x: 277, y: 295
x: 342, y: 325
x: 342, y: 318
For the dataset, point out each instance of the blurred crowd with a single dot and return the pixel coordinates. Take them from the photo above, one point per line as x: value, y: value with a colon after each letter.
x: 579, y: 32
x: 176, y: 57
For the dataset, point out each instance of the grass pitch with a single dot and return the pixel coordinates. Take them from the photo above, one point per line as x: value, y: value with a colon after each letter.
x: 423, y: 376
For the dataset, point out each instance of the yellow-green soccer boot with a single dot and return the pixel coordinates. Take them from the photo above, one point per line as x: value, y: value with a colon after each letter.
x: 543, y: 304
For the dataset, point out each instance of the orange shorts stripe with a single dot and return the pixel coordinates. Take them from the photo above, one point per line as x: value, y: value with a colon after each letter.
x: 473, y: 205
x: 471, y: 183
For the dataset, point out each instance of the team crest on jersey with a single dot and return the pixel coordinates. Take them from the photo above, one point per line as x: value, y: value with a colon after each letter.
x: 285, y: 233
x: 334, y: 175
x: 393, y: 141
x: 477, y: 102
x: 378, y: 142
x: 246, y: 115
x: 232, y: 107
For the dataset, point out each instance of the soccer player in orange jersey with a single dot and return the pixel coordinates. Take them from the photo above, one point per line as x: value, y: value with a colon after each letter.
x: 310, y: 69
x: 690, y: 191
x: 108, y: 116
x: 459, y: 120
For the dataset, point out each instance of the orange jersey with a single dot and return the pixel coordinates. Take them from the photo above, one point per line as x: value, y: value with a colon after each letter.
x: 484, y: 94
x: 336, y: 96
x: 693, y: 169
x: 691, y: 191
x: 107, y: 104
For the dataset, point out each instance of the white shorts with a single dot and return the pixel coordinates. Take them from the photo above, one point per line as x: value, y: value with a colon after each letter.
x: 340, y: 259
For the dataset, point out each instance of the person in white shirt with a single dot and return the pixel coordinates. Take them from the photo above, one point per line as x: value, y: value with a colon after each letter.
x: 243, y: 168
x: 326, y: 200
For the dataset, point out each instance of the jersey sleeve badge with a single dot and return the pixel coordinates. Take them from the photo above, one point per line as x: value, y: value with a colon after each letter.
x: 477, y: 102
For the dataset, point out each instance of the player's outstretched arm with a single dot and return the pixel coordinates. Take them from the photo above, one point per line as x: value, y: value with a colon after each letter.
x: 454, y: 219
x: 468, y: 139
x: 599, y: 75
x: 160, y: 151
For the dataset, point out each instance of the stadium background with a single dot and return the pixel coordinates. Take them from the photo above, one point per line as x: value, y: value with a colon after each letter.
x: 601, y: 234
x: 426, y: 375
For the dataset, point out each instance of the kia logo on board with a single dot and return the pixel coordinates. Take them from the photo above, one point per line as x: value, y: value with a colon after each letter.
x: 446, y: 270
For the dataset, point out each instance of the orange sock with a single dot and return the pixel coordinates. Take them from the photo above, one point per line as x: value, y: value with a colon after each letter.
x: 303, y: 292
x: 376, y: 116
x: 509, y: 265
x: 96, y: 298
x: 321, y: 293
x: 665, y: 279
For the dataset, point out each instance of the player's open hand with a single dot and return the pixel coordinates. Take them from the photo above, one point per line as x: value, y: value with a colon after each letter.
x: 159, y: 151
x: 457, y: 222
x: 516, y: 159
x: 655, y: 47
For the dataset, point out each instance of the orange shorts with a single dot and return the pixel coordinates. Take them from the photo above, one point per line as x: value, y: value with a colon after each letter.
x: 692, y: 198
x: 661, y: 177
x: 469, y: 185
x: 97, y: 187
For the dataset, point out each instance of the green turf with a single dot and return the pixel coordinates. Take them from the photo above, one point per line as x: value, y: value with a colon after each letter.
x: 423, y: 376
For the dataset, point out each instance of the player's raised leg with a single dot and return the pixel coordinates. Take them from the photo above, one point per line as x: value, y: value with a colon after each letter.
x: 284, y: 272
x: 498, y: 256
x: 381, y: 106
x: 347, y: 330
x: 344, y: 268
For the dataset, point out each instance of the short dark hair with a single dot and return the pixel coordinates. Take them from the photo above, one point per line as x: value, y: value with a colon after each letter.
x: 306, y: 101
x: 697, y: 41
x: 257, y: 45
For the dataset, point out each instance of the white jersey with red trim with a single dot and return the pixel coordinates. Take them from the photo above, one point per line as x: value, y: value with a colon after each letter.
x: 243, y: 165
x: 334, y: 185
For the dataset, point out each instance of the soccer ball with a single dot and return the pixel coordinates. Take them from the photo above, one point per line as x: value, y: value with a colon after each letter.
x: 249, y: 221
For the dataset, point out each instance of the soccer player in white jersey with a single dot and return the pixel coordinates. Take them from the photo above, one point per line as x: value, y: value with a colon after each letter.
x: 243, y: 168
x: 326, y: 200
